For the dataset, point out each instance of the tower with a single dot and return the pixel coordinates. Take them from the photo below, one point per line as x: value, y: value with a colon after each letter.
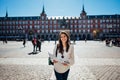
x: 83, y: 13
x: 43, y: 14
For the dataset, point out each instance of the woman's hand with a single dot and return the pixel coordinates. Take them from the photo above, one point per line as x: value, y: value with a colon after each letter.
x: 54, y: 61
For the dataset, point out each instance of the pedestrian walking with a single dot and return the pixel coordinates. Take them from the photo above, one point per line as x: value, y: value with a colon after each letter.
x: 85, y: 40
x: 64, y: 56
x: 34, y: 42
x: 24, y: 42
x: 39, y: 44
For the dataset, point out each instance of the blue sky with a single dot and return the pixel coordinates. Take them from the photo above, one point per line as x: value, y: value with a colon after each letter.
x: 58, y: 7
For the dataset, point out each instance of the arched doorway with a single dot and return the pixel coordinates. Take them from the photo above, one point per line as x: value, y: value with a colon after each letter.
x: 88, y: 36
x: 84, y: 36
x: 79, y: 36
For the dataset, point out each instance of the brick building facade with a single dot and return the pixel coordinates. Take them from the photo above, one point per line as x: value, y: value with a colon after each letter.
x: 81, y: 27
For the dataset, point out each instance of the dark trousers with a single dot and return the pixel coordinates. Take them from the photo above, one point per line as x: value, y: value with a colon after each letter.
x: 61, y: 76
x: 34, y: 48
x: 39, y: 47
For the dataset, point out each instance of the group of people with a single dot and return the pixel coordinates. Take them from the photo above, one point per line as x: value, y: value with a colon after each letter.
x: 36, y: 44
x: 5, y: 40
x: 113, y: 42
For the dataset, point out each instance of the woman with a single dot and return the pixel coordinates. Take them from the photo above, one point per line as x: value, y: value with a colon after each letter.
x: 64, y: 56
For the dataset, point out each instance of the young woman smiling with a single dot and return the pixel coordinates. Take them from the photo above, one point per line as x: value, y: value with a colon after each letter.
x: 64, y: 53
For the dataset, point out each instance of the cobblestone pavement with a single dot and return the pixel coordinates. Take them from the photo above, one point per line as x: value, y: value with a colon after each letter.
x: 93, y: 61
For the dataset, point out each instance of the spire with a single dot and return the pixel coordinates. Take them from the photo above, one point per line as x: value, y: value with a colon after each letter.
x: 83, y: 10
x: 43, y: 11
x: 43, y: 14
x: 6, y: 13
x: 83, y: 13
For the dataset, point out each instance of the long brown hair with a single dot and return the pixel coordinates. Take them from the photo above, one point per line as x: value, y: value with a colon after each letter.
x: 60, y: 45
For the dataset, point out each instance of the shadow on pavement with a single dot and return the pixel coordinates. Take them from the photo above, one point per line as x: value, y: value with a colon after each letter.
x: 32, y: 53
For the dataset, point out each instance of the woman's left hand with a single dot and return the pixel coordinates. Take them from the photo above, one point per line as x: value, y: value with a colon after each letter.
x: 65, y: 64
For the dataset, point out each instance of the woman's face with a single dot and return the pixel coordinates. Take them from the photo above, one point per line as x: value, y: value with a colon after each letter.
x: 63, y: 38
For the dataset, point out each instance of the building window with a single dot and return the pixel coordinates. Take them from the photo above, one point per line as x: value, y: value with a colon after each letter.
x: 0, y: 22
x: 101, y: 25
x: 114, y: 20
x: 83, y: 26
x: 26, y: 27
x: 50, y: 26
x: 30, y: 26
x: 75, y: 31
x: 107, y: 20
x: 79, y: 21
x: 42, y: 17
x: 47, y: 26
x: 71, y: 21
x: 26, y: 22
x: 75, y: 21
x: 63, y: 27
x: 79, y: 26
x: 91, y: 21
x: 79, y: 30
x: 42, y: 31
x: 71, y: 30
x: 88, y: 26
x: 96, y: 21
x: 100, y: 21
x: 46, y: 31
x: 88, y: 30
x: 83, y: 31
x: 75, y: 26
x: 35, y: 22
x: 30, y: 22
x: 104, y: 30
x: 54, y: 30
x: 96, y: 26
x: 71, y: 26
x: 88, y: 21
x: 42, y: 22
x: 54, y: 21
x: 38, y: 22
x: 35, y: 26
x: 83, y: 21
x: 46, y: 22
x: 51, y: 22
x: 50, y: 31
x: 16, y: 22
x: 117, y: 21
x: 42, y: 26
x: 118, y: 25
x: 38, y: 31
x: 91, y: 26
x: 24, y: 31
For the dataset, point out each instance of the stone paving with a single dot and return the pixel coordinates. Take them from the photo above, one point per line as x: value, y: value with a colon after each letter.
x: 93, y: 61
